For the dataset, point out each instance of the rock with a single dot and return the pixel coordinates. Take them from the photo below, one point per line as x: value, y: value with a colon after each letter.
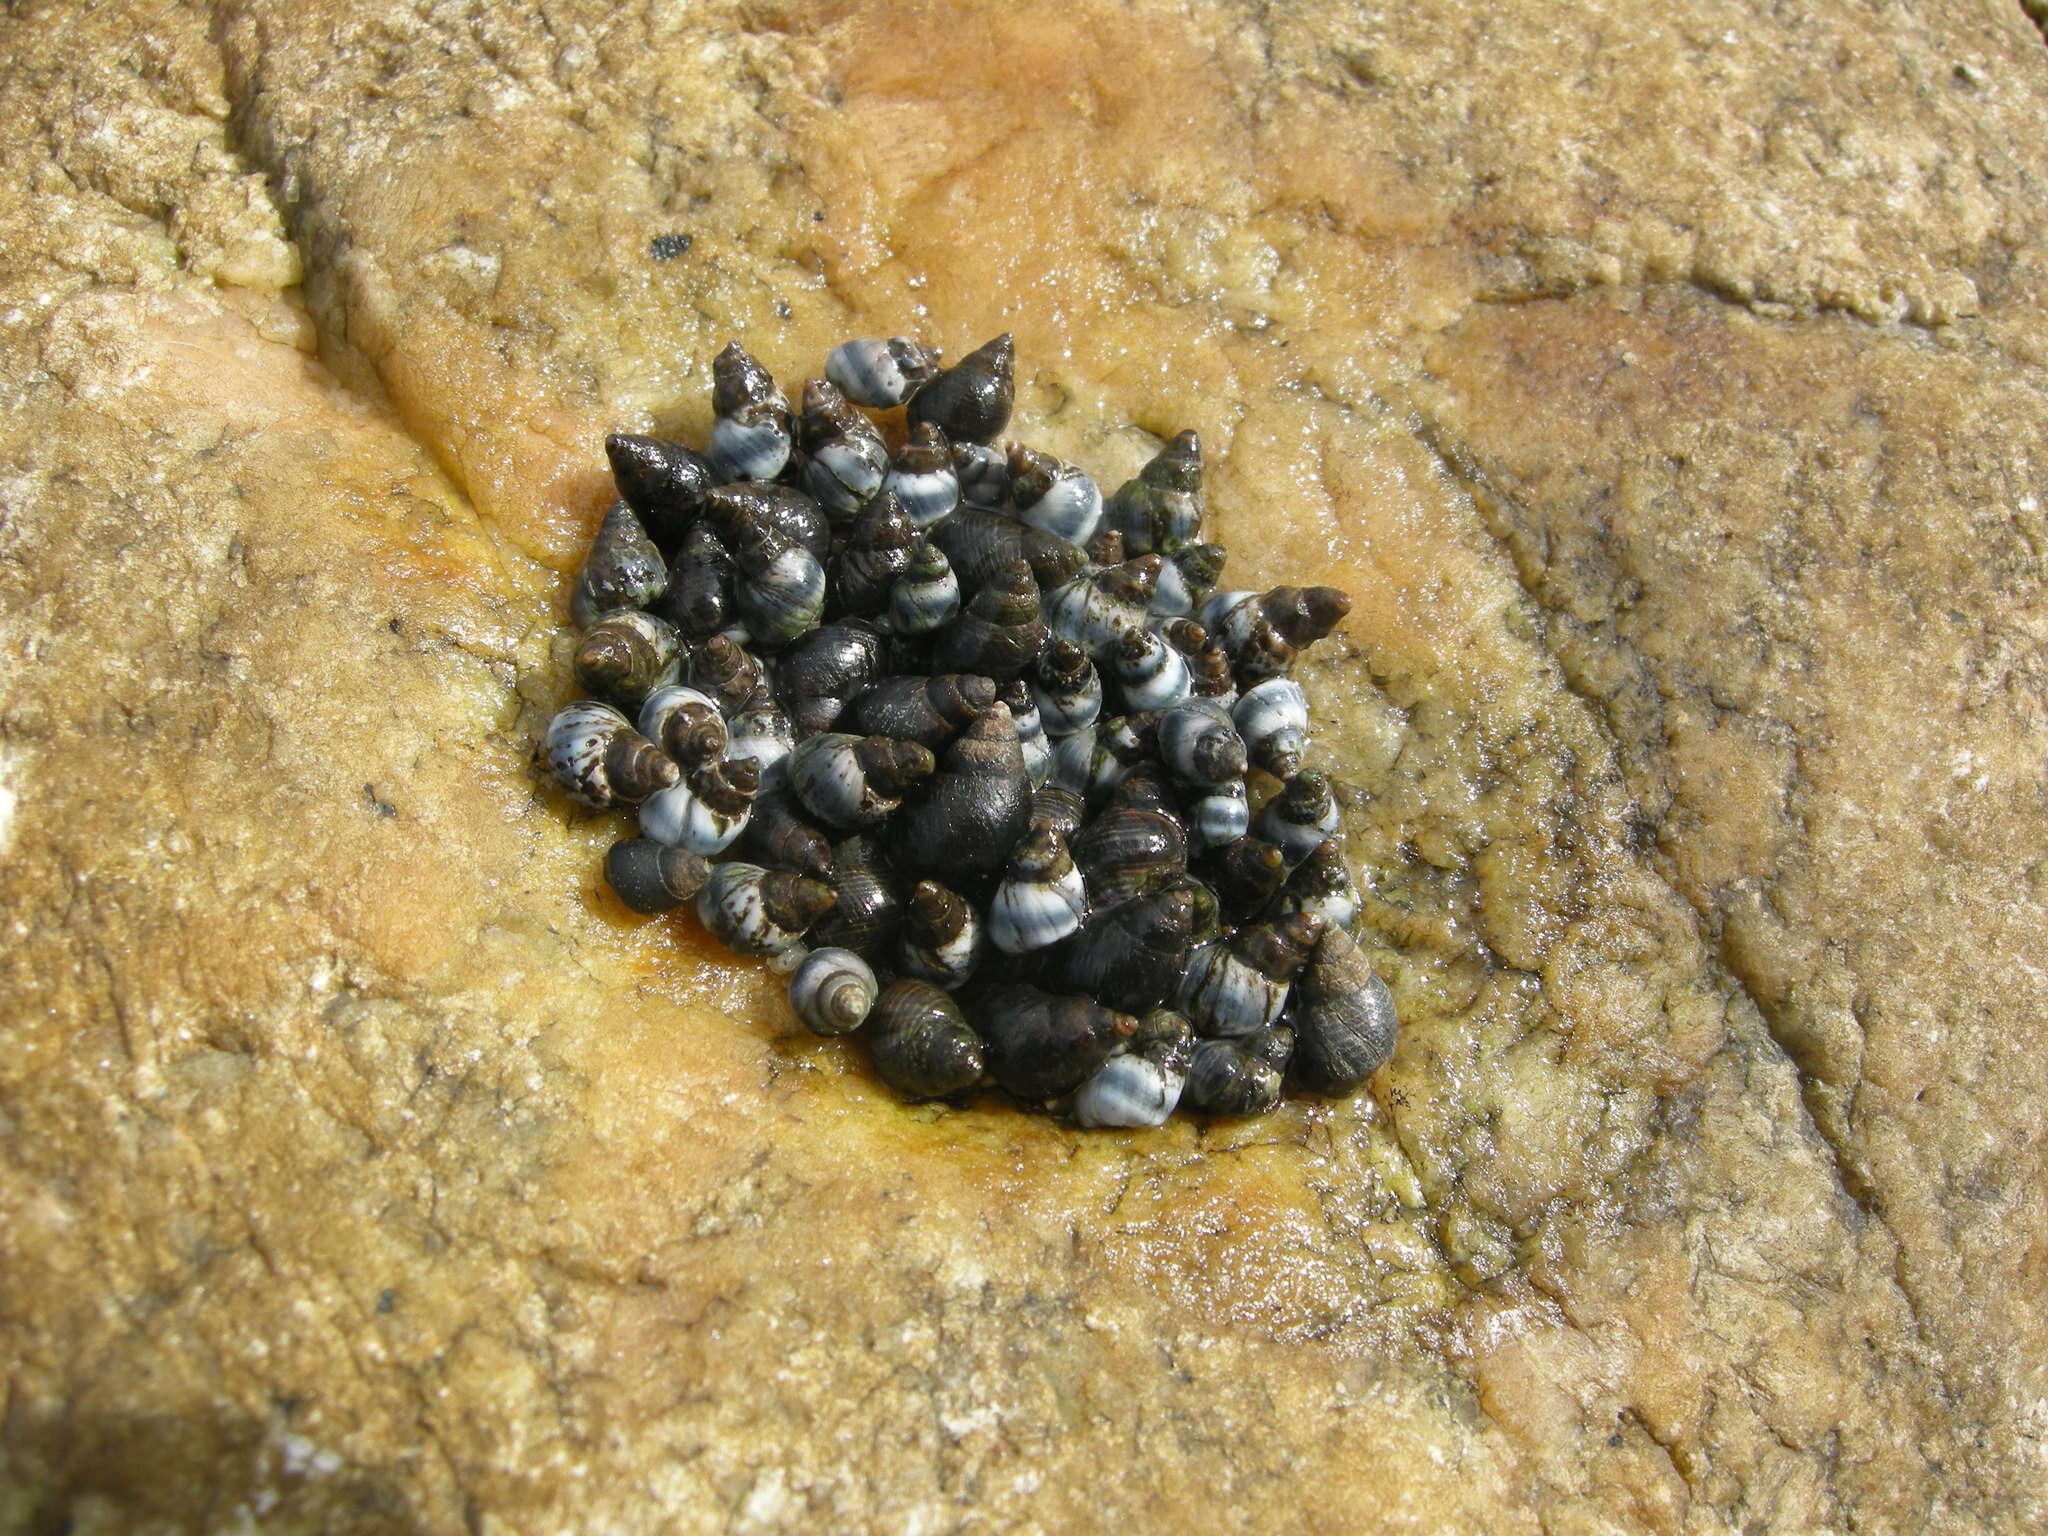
x: 1667, y: 389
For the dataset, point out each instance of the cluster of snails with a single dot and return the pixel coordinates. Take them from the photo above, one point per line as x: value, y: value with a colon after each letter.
x: 985, y: 759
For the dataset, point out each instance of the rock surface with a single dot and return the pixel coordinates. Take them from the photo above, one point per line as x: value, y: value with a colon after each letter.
x: 1670, y: 389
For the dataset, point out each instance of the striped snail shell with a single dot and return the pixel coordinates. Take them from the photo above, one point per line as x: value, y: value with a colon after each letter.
x: 1199, y: 744
x: 760, y: 730
x: 1041, y: 899
x: 1058, y: 807
x: 761, y: 912
x: 1186, y: 579
x: 824, y: 668
x: 1248, y: 873
x: 855, y: 781
x: 622, y: 570
x: 845, y: 456
x: 726, y: 671
x: 1160, y: 509
x: 869, y: 912
x: 780, y: 592
x: 876, y: 555
x: 698, y: 600
x: 970, y: 401
x: 920, y: 1043
x: 1000, y: 634
x: 1099, y: 607
x: 1053, y: 495
x: 664, y: 482
x: 922, y: 477
x: 1067, y: 688
x: 1150, y: 673
x: 1219, y: 817
x: 750, y: 429
x: 685, y: 723
x: 652, y: 877
x: 927, y: 594
x: 1343, y: 1017
x: 1023, y: 709
x: 833, y: 991
x: 1240, y: 984
x: 1084, y: 764
x: 1131, y: 955
x: 1042, y: 1044
x: 1321, y: 884
x: 971, y: 813
x: 1301, y: 816
x: 596, y: 755
x: 881, y: 372
x: 625, y: 656
x: 1262, y: 631
x: 981, y: 544
x: 777, y: 836
x: 927, y: 710
x: 1272, y: 717
x: 1141, y: 1085
x: 943, y: 936
x: 1237, y: 1076
x: 1126, y: 850
x: 983, y: 474
x: 705, y: 812
x: 730, y: 510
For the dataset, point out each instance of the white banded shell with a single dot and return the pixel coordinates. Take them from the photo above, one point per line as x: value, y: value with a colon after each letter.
x: 1151, y: 673
x: 762, y: 912
x: 1300, y: 817
x: 594, y: 753
x: 1052, y: 495
x: 1042, y: 898
x: 1200, y: 746
x: 1129, y: 1091
x: 881, y: 371
x: 927, y: 595
x: 1220, y: 817
x: 750, y: 435
x: 667, y: 706
x: 1224, y: 995
x: 1067, y: 688
x: 781, y: 593
x: 684, y: 816
x: 833, y: 991
x: 1272, y: 717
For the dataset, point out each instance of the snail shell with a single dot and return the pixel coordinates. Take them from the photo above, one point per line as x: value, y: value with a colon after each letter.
x: 726, y: 672
x: 1030, y: 731
x: 625, y: 656
x: 1105, y: 547
x: 595, y: 754
x: 652, y: 877
x: 877, y: 553
x: 869, y: 913
x: 1240, y: 984
x: 1343, y: 1017
x: 622, y: 570
x: 699, y: 596
x: 731, y: 510
x: 833, y: 991
x: 1067, y: 688
x: 846, y: 457
x: 922, y: 477
x: 971, y: 813
x: 1248, y: 874
x: 1084, y: 763
x: 1058, y: 807
x: 1236, y: 1076
x: 970, y: 402
x: 1040, y: 1044
x: 943, y: 936
x: 881, y: 372
x: 855, y: 781
x: 705, y: 812
x: 750, y: 432
x: 1000, y: 634
x: 1142, y: 1085
x: 1053, y: 495
x: 1262, y: 631
x: 781, y: 588
x: 1272, y: 717
x: 1301, y: 816
x: 927, y: 710
x: 685, y: 723
x: 664, y: 482
x: 1151, y: 673
x: 1099, y: 607
x: 762, y: 912
x: 981, y: 544
x: 927, y: 595
x: 1161, y: 509
x: 920, y: 1043
x: 983, y: 474
x: 760, y: 730
x: 1200, y: 746
x: 777, y: 836
x: 1131, y: 956
x: 1127, y: 850
x: 1186, y: 579
x: 1321, y: 884
x: 1041, y: 899
x: 1221, y: 816
x: 824, y: 668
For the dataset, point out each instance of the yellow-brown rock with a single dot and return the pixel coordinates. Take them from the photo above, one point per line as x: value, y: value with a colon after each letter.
x: 1669, y: 386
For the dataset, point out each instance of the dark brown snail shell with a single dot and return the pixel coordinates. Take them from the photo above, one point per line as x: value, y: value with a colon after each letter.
x: 970, y: 402
x: 921, y: 1043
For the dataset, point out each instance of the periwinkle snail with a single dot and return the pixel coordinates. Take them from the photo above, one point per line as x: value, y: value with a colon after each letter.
x: 972, y: 747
